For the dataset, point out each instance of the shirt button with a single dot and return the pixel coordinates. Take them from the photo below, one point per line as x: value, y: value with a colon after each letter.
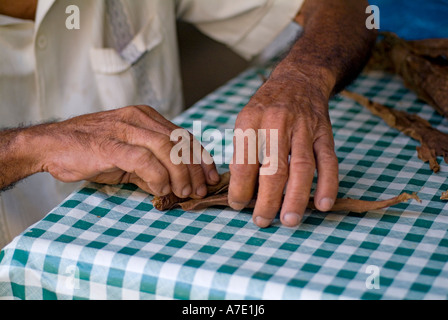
x: 42, y: 42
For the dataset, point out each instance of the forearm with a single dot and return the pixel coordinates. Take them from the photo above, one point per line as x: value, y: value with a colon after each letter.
x: 23, y: 9
x: 17, y: 156
x: 294, y: 102
x: 335, y: 44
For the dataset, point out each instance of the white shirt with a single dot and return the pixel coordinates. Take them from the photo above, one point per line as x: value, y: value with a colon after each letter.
x: 124, y: 53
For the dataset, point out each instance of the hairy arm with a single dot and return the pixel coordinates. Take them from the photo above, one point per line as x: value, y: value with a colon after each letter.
x: 127, y: 145
x: 17, y: 157
x: 330, y: 53
x: 335, y: 39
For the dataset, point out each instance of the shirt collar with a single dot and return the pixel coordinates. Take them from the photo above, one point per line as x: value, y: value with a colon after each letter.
x: 43, y: 6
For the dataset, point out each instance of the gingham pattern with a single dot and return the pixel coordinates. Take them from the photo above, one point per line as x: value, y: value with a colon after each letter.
x: 108, y: 242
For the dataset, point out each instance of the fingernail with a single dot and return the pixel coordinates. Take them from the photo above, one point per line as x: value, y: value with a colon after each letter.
x: 166, y: 190
x: 237, y: 205
x: 263, y: 222
x: 292, y: 219
x: 202, y: 190
x: 214, y: 176
x: 186, y: 191
x: 326, y: 204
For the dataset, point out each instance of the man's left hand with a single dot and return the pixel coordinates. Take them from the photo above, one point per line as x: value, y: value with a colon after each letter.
x: 295, y: 104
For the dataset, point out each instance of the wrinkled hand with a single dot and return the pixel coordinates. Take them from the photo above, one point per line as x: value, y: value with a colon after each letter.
x: 128, y: 145
x: 297, y: 106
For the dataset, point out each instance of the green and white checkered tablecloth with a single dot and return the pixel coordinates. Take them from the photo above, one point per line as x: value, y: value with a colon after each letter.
x: 108, y: 242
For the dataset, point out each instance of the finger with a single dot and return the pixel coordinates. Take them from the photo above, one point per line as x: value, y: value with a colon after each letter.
x: 206, y: 163
x: 328, y: 173
x: 272, y: 182
x: 301, y: 173
x: 198, y: 181
x: 153, y: 120
x: 161, y: 146
x: 245, y: 166
x: 119, y: 176
x: 209, y: 168
x: 134, y: 179
x: 156, y: 122
x: 200, y: 163
x: 143, y: 164
x: 270, y: 196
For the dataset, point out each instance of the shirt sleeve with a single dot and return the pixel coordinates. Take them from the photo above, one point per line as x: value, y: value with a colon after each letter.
x: 246, y: 26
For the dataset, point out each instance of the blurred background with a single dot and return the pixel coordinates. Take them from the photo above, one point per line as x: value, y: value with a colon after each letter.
x: 206, y: 64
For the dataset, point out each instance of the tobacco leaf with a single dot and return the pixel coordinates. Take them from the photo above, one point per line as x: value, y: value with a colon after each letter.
x: 352, y: 205
x: 434, y: 48
x: 422, y: 64
x: 170, y: 201
x: 434, y: 143
x: 220, y: 198
x: 444, y: 196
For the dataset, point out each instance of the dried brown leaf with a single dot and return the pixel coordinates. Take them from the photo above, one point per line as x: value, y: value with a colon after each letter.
x: 220, y: 198
x: 434, y: 143
x: 170, y: 201
x: 351, y: 205
x: 422, y: 64
x: 444, y: 196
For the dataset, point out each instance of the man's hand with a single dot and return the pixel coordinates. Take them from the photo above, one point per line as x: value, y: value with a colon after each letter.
x: 296, y: 106
x: 294, y: 100
x: 128, y: 145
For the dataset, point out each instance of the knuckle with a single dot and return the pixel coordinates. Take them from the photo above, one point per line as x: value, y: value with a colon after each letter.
x: 325, y: 150
x: 316, y: 121
x: 144, y: 107
x: 303, y: 163
x: 132, y: 112
x: 282, y: 113
x: 196, y: 173
x: 139, y: 157
x: 279, y: 117
x: 183, y: 173
x: 109, y: 146
x: 179, y: 174
x: 163, y: 143
x: 297, y: 197
x: 254, y: 106
x: 159, y: 176
x: 243, y: 171
x: 250, y: 114
x: 275, y: 180
x: 121, y: 130
x: 127, y: 111
x: 328, y: 157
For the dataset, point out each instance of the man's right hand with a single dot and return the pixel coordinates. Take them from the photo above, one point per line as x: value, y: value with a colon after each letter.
x: 128, y: 145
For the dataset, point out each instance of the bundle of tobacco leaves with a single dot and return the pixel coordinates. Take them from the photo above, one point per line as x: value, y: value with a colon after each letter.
x: 434, y: 143
x: 423, y: 65
x: 218, y: 196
